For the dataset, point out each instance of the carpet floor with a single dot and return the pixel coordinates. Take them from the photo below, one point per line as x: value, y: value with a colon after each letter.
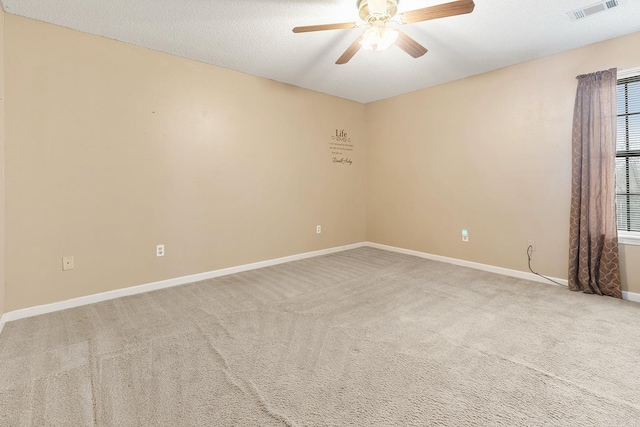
x: 359, y: 338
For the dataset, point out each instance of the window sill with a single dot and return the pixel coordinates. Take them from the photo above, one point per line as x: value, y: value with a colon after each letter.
x: 628, y: 238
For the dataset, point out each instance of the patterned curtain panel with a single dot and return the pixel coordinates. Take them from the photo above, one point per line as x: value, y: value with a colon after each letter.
x: 593, y: 239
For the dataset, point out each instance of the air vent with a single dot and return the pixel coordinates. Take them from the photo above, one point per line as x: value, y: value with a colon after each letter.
x: 594, y: 8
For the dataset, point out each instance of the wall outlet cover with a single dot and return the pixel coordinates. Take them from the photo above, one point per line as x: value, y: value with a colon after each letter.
x: 531, y: 243
x: 67, y: 263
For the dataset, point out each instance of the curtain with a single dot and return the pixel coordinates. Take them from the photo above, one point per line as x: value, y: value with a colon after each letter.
x: 593, y: 236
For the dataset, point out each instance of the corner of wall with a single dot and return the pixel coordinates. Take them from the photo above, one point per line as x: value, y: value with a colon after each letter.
x: 370, y: 167
x: 366, y: 185
x: 1, y: 162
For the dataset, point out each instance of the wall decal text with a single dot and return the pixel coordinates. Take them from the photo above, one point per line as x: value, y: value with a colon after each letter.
x: 340, y: 148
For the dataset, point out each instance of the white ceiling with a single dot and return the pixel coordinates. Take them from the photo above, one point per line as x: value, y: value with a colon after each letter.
x: 255, y: 37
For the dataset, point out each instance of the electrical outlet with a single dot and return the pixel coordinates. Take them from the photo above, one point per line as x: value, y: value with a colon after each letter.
x: 532, y: 243
x: 318, y: 229
x: 160, y: 250
x: 67, y: 263
x: 465, y: 235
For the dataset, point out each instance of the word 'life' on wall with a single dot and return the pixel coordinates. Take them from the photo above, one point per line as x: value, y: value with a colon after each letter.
x: 341, y: 148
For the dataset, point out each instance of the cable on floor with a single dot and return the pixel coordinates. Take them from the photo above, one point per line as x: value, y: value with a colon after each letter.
x: 529, y: 251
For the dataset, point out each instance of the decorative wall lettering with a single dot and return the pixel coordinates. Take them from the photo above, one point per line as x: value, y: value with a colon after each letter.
x: 341, y: 135
x: 344, y: 161
x: 341, y: 148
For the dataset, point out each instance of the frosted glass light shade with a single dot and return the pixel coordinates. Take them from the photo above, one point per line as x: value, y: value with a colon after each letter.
x: 379, y: 38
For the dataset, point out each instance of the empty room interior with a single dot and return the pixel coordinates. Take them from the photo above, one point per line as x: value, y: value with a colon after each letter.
x: 320, y: 213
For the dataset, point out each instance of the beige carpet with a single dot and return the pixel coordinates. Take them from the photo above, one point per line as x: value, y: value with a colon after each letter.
x: 359, y: 338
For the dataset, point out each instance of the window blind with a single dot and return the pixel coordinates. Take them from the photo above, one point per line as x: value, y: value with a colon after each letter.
x: 628, y: 154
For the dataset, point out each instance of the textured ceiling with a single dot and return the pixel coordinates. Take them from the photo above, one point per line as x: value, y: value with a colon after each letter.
x: 255, y: 37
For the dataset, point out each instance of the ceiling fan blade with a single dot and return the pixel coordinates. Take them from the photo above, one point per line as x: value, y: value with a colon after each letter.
x: 453, y: 8
x: 325, y: 27
x: 351, y: 50
x: 410, y: 46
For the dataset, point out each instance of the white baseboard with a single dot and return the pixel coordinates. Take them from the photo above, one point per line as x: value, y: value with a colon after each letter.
x: 478, y: 266
x: 631, y: 296
x: 133, y: 290
x: 139, y: 289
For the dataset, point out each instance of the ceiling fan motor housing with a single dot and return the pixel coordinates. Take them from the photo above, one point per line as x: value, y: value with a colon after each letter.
x: 367, y: 16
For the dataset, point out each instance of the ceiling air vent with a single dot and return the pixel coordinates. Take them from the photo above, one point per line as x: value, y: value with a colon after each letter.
x: 594, y: 8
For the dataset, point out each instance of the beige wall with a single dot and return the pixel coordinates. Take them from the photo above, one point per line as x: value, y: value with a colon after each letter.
x: 112, y: 149
x: 490, y: 154
x: 630, y: 267
x: 1, y: 161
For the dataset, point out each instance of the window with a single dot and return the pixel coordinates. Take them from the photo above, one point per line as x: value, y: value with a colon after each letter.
x: 628, y: 155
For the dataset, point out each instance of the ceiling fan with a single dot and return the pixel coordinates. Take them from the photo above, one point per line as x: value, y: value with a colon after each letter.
x: 376, y: 14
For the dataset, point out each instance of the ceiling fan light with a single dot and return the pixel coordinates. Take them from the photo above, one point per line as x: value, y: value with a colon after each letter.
x: 389, y: 37
x: 379, y: 38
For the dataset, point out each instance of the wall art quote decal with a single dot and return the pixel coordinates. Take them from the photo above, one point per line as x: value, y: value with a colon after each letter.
x: 341, y: 148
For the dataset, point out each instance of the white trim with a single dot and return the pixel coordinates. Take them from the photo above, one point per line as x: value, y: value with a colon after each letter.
x: 628, y: 238
x: 134, y: 290
x: 478, y: 266
x: 623, y: 74
x: 631, y: 296
x: 139, y: 289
